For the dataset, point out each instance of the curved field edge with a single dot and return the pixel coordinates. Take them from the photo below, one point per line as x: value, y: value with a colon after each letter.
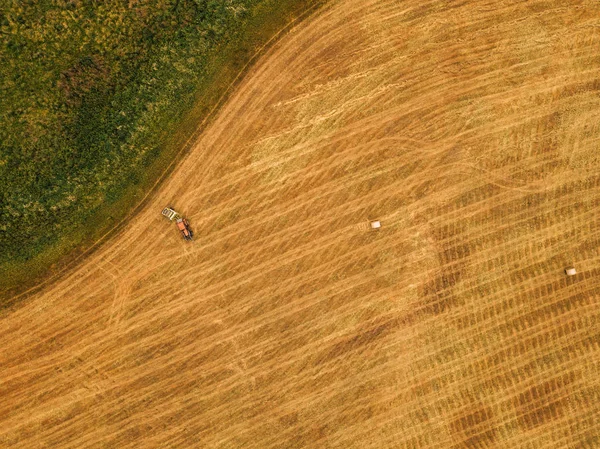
x: 267, y: 23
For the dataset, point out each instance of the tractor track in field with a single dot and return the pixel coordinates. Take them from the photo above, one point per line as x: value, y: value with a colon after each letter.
x: 470, y: 129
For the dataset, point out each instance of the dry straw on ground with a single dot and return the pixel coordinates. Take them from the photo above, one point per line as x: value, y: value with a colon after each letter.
x: 471, y: 130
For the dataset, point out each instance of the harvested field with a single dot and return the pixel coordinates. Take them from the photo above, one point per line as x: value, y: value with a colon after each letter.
x: 471, y: 130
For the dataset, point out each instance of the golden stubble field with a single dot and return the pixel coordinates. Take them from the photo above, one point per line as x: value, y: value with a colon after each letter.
x: 471, y: 130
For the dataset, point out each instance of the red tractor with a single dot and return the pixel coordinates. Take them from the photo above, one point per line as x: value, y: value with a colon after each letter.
x: 182, y: 224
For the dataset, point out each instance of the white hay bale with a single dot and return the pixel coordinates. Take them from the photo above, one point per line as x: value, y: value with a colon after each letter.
x: 570, y: 271
x: 375, y: 224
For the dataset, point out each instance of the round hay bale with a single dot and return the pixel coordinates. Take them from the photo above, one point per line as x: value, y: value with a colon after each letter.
x: 570, y: 271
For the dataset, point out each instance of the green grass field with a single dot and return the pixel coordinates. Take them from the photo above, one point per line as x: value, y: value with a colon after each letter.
x: 98, y: 98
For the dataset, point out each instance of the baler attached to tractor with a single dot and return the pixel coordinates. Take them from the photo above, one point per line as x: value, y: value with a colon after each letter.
x: 182, y: 224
